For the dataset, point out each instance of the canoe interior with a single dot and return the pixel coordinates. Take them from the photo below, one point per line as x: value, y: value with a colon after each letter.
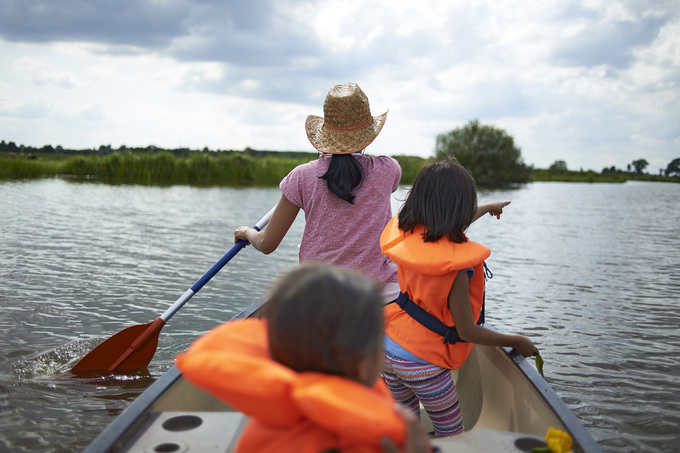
x: 506, y: 406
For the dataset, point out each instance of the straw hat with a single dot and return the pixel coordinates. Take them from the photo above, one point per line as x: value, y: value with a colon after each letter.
x: 347, y: 125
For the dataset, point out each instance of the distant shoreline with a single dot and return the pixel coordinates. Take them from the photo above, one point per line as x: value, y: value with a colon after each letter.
x: 221, y: 168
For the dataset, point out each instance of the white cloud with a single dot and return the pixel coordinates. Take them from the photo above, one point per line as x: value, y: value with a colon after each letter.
x: 40, y: 74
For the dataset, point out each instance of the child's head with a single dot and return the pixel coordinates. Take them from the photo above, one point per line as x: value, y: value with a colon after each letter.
x: 443, y: 200
x: 328, y: 320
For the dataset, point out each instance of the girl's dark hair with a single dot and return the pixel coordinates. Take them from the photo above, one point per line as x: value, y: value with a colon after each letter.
x: 443, y: 199
x: 325, y: 319
x: 343, y: 175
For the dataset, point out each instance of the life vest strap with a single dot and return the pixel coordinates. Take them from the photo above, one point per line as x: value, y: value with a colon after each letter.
x: 431, y: 322
x: 488, y: 275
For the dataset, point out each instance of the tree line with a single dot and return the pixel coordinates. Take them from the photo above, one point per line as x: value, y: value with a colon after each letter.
x: 638, y: 166
x: 11, y: 147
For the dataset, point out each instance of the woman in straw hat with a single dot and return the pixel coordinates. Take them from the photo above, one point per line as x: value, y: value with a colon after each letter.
x: 344, y: 194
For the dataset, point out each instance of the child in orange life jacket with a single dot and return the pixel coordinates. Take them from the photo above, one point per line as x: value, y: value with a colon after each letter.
x: 441, y: 276
x: 308, y: 374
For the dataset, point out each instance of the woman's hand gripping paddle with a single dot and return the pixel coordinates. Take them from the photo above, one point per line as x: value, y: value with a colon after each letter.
x: 134, y: 347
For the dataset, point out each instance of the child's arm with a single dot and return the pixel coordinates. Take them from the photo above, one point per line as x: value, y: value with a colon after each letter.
x: 267, y: 240
x: 494, y: 208
x: 468, y: 330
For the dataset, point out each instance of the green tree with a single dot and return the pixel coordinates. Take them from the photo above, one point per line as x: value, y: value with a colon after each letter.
x: 673, y: 168
x: 559, y: 166
x: 639, y: 165
x: 488, y: 152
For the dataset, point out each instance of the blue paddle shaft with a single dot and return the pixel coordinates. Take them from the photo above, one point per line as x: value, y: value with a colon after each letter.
x: 213, y: 270
x: 220, y: 264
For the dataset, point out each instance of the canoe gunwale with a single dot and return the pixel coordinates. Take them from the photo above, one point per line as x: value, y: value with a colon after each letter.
x: 579, y: 434
x: 121, y: 430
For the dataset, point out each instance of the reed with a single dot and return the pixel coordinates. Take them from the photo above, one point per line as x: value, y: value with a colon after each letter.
x: 201, y: 168
x: 163, y: 167
x: 227, y: 168
x: 13, y: 168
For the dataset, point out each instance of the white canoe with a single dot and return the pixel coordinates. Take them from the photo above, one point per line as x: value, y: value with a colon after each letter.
x: 506, y: 405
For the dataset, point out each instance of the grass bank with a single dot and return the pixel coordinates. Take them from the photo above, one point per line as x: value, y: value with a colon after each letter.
x: 577, y: 176
x: 594, y: 177
x: 197, y: 168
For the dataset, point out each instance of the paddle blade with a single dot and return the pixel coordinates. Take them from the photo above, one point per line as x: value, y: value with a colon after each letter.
x: 131, y: 348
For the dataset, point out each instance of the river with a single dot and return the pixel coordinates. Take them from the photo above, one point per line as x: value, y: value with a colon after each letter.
x: 591, y: 272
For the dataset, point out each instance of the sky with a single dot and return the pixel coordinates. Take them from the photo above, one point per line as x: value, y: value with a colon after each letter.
x: 595, y: 83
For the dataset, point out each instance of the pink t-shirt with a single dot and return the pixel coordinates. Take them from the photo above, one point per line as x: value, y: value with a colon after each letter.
x: 340, y: 233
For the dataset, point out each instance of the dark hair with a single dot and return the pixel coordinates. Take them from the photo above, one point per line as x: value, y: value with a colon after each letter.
x: 343, y: 175
x: 325, y: 319
x: 443, y: 199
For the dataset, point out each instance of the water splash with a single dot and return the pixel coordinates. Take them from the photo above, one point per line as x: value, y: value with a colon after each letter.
x: 54, y: 362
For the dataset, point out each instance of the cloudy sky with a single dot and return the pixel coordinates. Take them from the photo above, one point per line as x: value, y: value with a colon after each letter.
x: 595, y: 83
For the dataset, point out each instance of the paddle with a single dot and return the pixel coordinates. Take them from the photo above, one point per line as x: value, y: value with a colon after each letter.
x: 134, y: 346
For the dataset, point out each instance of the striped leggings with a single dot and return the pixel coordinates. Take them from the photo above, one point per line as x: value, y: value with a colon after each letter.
x: 412, y: 383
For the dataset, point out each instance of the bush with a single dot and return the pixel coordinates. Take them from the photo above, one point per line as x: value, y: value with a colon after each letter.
x: 410, y: 166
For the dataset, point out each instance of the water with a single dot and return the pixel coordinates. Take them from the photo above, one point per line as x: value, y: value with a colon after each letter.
x: 589, y: 272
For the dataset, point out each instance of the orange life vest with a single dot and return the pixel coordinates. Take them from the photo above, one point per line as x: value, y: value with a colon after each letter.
x: 290, y: 411
x: 426, y: 272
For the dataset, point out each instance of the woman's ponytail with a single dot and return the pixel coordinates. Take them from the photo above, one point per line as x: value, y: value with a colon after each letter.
x: 344, y: 174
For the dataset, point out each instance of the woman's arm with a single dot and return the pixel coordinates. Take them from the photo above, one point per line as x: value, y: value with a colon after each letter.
x: 468, y: 330
x: 267, y: 240
x: 494, y: 208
